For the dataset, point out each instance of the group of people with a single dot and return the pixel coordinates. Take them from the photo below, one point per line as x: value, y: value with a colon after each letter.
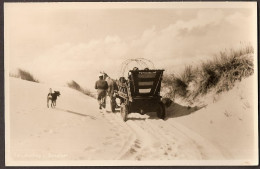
x: 105, y: 86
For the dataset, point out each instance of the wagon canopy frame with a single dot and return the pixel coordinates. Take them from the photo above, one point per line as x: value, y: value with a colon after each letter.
x: 142, y: 63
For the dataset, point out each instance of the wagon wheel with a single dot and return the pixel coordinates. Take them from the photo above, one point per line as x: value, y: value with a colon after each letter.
x: 124, y: 111
x: 161, y: 111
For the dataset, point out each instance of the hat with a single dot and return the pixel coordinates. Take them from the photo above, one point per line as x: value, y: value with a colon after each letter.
x: 100, y: 74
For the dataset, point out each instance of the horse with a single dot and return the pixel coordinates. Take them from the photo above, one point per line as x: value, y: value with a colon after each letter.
x: 112, y: 90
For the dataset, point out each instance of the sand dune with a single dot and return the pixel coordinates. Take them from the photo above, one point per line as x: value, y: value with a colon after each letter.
x: 77, y: 130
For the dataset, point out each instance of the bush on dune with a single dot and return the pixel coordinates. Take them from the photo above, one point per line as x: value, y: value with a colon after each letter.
x: 187, y: 75
x: 234, y: 67
x: 25, y: 75
x: 167, y: 85
x: 207, y: 77
x: 219, y: 74
x: 178, y: 85
x: 76, y: 86
x: 88, y: 92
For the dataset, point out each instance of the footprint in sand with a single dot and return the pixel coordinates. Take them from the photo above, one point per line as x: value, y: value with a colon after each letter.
x: 132, y: 150
x: 139, y: 158
x: 137, y: 144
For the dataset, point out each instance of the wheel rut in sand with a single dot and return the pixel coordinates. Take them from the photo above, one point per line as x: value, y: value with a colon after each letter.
x: 189, y: 144
x: 131, y: 143
x: 173, y: 142
x: 156, y: 139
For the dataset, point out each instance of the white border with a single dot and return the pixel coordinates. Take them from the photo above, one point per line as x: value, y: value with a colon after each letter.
x: 125, y: 5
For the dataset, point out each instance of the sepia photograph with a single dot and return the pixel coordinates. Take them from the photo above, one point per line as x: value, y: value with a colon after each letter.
x: 131, y: 83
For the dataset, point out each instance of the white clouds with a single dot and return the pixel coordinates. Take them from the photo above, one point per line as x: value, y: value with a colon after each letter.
x: 74, y: 61
x: 236, y: 18
x: 204, y: 35
x: 112, y: 39
x: 181, y: 42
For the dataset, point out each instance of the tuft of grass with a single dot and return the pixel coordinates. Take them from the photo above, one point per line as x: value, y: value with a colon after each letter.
x: 88, y: 92
x: 74, y: 85
x: 242, y: 66
x: 218, y: 74
x: 169, y: 90
x: 178, y: 84
x: 207, y: 78
x: 187, y: 75
x: 25, y: 75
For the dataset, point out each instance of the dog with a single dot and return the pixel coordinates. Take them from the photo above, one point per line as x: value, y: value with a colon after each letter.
x: 53, y: 98
x: 167, y: 102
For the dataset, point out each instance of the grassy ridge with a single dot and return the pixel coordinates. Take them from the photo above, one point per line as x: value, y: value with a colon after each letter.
x: 76, y: 86
x: 25, y: 75
x: 218, y: 74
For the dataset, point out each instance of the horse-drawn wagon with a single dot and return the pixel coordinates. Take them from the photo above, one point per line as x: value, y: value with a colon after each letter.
x: 140, y: 92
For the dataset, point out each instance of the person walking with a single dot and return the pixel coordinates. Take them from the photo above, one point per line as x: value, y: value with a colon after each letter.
x: 101, y: 86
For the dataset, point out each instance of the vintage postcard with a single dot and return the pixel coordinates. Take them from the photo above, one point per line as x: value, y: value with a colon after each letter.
x: 122, y: 84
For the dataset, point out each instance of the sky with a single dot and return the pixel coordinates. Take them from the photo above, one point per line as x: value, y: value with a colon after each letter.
x: 59, y: 42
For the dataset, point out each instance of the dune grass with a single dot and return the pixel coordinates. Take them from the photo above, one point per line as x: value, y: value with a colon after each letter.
x: 218, y: 74
x: 25, y: 75
x: 74, y: 85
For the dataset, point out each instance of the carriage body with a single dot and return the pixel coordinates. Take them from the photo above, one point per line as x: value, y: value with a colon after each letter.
x: 141, y: 93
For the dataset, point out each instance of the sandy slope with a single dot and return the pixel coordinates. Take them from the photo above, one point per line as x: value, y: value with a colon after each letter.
x: 77, y: 130
x: 227, y: 120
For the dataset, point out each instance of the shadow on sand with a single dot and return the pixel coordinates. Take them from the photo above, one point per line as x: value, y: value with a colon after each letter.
x: 109, y: 111
x: 136, y: 118
x: 128, y: 118
x: 177, y: 110
x: 76, y: 113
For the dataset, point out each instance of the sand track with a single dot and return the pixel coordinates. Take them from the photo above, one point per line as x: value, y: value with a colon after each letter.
x: 152, y: 138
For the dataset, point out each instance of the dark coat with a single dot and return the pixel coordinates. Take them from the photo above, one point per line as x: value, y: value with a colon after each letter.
x: 101, y: 85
